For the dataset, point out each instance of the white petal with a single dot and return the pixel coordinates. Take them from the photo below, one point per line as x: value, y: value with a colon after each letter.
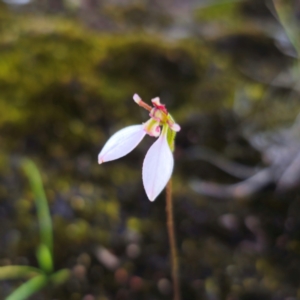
x: 121, y: 143
x: 157, y: 167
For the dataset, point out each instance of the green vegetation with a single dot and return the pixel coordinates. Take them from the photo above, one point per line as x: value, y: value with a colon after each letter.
x: 44, y: 275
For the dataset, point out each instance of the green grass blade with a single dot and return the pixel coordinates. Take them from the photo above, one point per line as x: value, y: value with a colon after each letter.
x: 41, y: 203
x: 44, y: 258
x: 15, y: 272
x: 60, y: 276
x: 28, y: 288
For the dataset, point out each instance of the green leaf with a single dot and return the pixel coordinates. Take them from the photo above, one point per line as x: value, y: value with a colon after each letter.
x: 41, y: 203
x: 44, y: 258
x: 15, y: 272
x: 28, y: 288
x: 60, y: 276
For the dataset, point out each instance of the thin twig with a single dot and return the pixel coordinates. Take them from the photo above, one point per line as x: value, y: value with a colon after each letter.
x: 172, y: 241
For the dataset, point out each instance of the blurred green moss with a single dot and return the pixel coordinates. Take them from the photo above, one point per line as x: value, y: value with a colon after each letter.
x: 65, y: 89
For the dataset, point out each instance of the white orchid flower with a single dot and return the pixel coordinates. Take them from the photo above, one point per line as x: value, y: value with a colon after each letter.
x: 158, y: 163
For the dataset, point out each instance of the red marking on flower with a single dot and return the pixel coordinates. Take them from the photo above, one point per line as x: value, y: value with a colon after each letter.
x: 162, y: 108
x: 158, y: 105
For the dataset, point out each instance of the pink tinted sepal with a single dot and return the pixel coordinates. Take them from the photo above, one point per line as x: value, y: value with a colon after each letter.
x: 174, y: 126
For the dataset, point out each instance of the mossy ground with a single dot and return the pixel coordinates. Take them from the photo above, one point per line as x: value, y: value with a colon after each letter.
x: 64, y: 89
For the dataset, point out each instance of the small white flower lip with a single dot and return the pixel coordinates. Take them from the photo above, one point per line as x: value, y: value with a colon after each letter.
x: 157, y: 167
x: 121, y: 143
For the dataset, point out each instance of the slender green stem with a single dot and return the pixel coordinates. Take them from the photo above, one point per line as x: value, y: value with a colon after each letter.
x: 172, y: 241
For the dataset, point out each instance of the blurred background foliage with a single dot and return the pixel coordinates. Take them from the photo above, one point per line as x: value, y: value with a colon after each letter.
x: 228, y: 72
